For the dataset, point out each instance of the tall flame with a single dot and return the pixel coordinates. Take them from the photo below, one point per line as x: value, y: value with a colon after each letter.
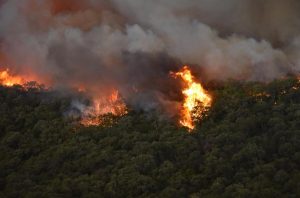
x: 194, y: 95
x: 112, y: 104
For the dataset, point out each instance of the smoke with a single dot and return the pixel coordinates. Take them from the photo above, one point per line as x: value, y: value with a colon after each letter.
x: 132, y: 45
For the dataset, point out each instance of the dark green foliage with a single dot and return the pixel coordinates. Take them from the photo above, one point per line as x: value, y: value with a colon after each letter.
x: 248, y: 145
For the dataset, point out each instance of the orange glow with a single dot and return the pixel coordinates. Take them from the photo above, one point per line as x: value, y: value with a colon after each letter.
x: 112, y: 104
x: 6, y: 79
x: 194, y: 96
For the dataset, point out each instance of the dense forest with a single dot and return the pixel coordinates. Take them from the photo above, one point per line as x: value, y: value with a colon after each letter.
x: 247, y: 145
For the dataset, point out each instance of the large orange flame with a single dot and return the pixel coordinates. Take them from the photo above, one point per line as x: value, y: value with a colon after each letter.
x: 112, y: 104
x: 194, y: 96
x: 8, y: 80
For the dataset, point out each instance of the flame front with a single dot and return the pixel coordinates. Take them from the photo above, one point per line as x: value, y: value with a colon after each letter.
x: 112, y: 104
x: 6, y: 79
x: 9, y: 79
x: 93, y: 115
x: 194, y: 95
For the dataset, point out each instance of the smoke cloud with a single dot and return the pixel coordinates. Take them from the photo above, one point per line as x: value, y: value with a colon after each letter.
x: 132, y: 45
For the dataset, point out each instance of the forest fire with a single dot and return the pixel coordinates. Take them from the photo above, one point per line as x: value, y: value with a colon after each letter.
x: 113, y: 104
x: 196, y: 100
x: 8, y: 80
x: 194, y: 96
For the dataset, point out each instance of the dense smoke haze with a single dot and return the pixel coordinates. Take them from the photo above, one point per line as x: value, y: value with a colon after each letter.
x: 132, y: 45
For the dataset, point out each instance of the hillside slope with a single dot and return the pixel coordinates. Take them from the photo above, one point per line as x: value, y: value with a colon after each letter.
x: 248, y: 145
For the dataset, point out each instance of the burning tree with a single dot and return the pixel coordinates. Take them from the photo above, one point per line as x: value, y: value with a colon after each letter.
x: 194, y: 96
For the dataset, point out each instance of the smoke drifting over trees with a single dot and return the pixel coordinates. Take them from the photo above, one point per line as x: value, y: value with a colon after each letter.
x: 134, y: 44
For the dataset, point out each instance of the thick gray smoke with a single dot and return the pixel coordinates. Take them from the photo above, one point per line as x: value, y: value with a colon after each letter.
x: 133, y: 44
